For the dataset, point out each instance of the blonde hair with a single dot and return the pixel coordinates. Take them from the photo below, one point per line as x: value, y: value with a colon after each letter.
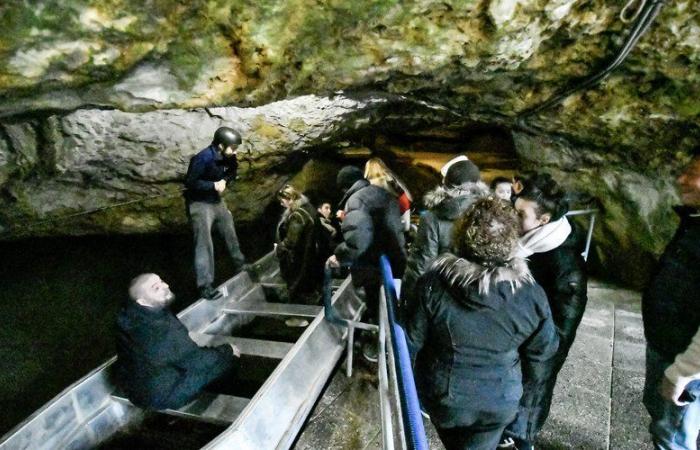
x: 378, y: 174
x: 292, y: 194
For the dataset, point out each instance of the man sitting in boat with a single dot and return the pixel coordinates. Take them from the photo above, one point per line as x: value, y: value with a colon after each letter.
x: 159, y: 366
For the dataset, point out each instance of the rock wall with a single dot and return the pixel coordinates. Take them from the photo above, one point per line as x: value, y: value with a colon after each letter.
x: 126, y: 169
x: 101, y: 103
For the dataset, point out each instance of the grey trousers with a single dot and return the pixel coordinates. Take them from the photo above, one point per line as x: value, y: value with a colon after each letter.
x: 203, y: 216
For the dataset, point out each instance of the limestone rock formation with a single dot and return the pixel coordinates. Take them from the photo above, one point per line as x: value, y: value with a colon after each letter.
x: 102, y: 103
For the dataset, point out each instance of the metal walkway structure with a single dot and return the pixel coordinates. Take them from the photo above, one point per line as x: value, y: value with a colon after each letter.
x: 292, y: 372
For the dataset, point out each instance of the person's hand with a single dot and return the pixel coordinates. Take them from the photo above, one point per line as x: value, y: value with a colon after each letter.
x: 236, y: 351
x: 332, y: 262
x: 340, y: 215
x: 219, y: 186
x: 671, y: 392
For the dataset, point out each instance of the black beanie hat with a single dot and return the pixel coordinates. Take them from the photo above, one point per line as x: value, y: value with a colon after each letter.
x: 347, y: 176
x: 462, y: 172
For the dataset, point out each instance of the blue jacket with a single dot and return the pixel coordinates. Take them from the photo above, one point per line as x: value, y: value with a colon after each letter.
x: 158, y: 362
x: 473, y: 347
x: 207, y: 167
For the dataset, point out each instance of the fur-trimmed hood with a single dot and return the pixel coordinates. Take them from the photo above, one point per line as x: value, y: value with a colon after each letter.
x: 462, y: 275
x: 449, y: 202
x: 302, y: 203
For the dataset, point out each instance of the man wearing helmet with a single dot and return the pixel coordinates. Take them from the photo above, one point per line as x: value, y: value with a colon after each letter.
x: 209, y: 173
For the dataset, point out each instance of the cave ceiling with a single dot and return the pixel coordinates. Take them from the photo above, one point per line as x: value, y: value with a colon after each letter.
x: 90, y: 92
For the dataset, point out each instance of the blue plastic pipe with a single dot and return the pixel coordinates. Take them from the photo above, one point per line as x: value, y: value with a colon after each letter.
x: 410, y: 407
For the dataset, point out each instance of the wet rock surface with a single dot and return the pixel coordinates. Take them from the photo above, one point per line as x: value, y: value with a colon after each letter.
x: 150, y: 82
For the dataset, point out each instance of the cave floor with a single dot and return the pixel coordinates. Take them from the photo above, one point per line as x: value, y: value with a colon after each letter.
x: 597, y: 402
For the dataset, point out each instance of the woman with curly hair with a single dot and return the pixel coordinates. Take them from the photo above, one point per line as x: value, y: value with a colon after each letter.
x: 479, y: 324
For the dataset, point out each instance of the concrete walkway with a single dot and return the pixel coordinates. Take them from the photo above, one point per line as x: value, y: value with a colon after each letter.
x: 597, y: 402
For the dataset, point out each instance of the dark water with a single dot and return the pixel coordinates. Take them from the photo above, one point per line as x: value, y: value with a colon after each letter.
x: 59, y: 298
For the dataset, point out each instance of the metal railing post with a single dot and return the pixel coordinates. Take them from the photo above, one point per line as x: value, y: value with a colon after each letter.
x: 591, y: 224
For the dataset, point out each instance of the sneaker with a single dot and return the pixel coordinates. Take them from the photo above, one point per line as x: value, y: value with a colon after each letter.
x: 507, y: 442
x: 210, y: 293
x: 296, y: 322
x: 370, y: 351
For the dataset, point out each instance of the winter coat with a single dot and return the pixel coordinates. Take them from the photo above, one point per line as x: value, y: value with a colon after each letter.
x: 157, y: 361
x: 671, y: 302
x: 371, y: 227
x: 434, y: 234
x: 297, y: 250
x: 474, y: 330
x: 205, y: 168
x: 562, y: 274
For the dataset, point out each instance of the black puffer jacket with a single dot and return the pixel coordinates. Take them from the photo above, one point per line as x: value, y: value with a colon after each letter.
x: 562, y: 274
x: 671, y: 302
x: 371, y: 227
x: 470, y: 342
x: 297, y: 250
x: 434, y: 234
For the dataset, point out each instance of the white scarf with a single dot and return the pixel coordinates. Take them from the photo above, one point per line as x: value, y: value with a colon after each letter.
x: 542, y: 239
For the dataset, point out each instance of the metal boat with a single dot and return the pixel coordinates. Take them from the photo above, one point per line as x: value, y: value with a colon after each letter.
x: 283, y: 371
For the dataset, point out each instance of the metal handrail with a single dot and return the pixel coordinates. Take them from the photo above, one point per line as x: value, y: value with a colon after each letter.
x: 410, y: 407
x: 399, y: 408
x: 333, y: 317
x: 591, y: 223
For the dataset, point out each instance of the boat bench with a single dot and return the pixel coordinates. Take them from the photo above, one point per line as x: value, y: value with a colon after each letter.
x: 218, y: 409
x: 253, y: 347
x: 273, y: 309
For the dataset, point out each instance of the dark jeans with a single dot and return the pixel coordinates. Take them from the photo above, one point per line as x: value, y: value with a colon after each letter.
x: 197, y: 379
x: 483, y: 434
x: 672, y: 427
x: 203, y: 216
x: 371, y: 280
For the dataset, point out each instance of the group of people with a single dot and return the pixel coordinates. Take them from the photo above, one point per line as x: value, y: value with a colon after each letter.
x: 493, y: 291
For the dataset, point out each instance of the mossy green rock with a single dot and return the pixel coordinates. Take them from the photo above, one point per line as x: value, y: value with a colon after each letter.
x: 620, y: 142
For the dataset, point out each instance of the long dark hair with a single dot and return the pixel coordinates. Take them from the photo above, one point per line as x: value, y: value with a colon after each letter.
x: 546, y: 193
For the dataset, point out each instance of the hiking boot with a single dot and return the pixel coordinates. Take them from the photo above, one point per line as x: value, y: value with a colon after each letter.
x: 295, y: 322
x: 208, y: 292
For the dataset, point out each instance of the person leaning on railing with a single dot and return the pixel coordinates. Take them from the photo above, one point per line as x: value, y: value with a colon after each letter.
x: 478, y: 316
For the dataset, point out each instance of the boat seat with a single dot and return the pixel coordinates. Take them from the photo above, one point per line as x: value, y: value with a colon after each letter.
x: 253, y: 347
x: 219, y: 409
x: 273, y: 309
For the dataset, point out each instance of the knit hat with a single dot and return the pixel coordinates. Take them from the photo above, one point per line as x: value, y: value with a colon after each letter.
x: 462, y: 172
x: 347, y: 176
x: 448, y: 164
